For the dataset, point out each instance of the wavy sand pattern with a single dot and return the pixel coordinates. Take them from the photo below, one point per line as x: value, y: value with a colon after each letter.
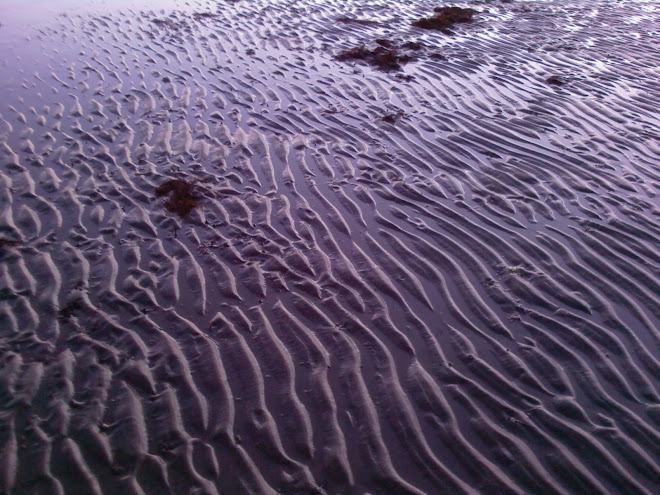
x: 442, y: 280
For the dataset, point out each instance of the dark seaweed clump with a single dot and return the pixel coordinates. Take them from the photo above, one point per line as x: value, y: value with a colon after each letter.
x: 385, y: 57
x: 445, y: 18
x: 181, y: 200
x: 556, y: 80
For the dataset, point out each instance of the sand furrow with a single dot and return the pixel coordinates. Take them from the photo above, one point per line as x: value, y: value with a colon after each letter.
x: 232, y: 261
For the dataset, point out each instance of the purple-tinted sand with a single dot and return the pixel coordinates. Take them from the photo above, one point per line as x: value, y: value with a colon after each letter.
x: 236, y: 261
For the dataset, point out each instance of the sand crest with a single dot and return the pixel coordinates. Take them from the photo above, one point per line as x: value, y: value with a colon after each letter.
x: 233, y: 260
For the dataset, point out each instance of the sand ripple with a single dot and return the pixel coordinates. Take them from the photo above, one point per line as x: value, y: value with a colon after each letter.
x: 438, y: 280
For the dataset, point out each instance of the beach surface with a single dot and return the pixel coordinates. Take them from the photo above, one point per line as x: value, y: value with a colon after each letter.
x: 277, y: 247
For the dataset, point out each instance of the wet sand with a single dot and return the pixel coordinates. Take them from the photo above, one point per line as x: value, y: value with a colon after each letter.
x: 232, y: 261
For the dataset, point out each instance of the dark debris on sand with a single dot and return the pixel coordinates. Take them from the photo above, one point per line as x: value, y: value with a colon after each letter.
x: 198, y: 16
x: 175, y: 25
x: 413, y: 45
x: 169, y: 23
x: 391, y: 118
x: 181, y: 200
x: 353, y: 20
x: 386, y: 57
x: 445, y: 18
x: 555, y: 80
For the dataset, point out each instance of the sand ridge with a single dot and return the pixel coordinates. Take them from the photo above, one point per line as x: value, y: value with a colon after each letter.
x: 442, y: 279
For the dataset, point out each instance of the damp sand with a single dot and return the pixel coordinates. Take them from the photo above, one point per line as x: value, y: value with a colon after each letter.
x: 233, y: 261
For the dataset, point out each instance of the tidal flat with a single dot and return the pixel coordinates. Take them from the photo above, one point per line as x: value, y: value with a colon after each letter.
x: 323, y: 247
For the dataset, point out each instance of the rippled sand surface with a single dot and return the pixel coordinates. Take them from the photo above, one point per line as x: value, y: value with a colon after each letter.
x: 438, y: 280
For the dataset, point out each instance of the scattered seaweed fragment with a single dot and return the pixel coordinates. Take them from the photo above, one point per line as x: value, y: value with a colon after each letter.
x: 391, y: 118
x: 413, y: 45
x: 181, y: 200
x: 385, y: 43
x: 445, y: 18
x: 385, y: 58
x: 164, y: 22
x: 170, y: 24
x: 198, y: 16
x: 353, y: 20
x: 405, y: 77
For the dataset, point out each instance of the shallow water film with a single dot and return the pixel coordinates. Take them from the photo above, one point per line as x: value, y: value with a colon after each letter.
x: 322, y: 247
